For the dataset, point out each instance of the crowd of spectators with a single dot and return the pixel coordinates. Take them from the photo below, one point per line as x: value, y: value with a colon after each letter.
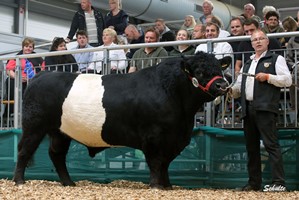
x: 93, y: 29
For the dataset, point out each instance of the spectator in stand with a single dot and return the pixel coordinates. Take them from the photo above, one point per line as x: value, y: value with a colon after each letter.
x: 207, y: 7
x: 216, y: 20
x: 89, y: 19
x: 117, y: 57
x: 66, y: 63
x: 134, y: 37
x: 165, y: 33
x: 236, y: 29
x: 199, y: 32
x: 249, y: 12
x: 29, y: 67
x: 220, y: 49
x: 264, y: 11
x: 272, y: 25
x: 251, y: 25
x: 116, y: 18
x: 148, y: 56
x: 183, y: 49
x: 85, y: 58
x: 289, y: 24
x: 189, y: 24
x: 292, y: 58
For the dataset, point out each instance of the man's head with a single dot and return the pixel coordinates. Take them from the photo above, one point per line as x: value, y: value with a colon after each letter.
x: 236, y: 26
x: 151, y: 35
x: 131, y: 32
x: 199, y: 31
x: 212, y: 30
x: 86, y: 5
x: 82, y: 38
x: 214, y: 19
x: 272, y: 19
x: 207, y: 7
x: 266, y: 9
x: 259, y: 41
x: 250, y: 25
x: 249, y: 10
x: 160, y: 25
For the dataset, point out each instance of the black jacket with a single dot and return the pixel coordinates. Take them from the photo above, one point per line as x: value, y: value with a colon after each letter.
x: 61, y: 63
x: 265, y: 96
x: 79, y: 23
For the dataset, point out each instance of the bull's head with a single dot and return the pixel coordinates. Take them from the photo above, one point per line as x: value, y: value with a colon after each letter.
x: 205, y: 72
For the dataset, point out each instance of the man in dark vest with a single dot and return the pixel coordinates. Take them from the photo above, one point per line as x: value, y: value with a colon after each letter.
x: 259, y: 85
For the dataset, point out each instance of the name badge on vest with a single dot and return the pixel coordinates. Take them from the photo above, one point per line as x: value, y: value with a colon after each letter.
x: 266, y: 65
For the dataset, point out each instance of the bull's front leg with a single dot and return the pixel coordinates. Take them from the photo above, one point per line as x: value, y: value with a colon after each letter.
x: 159, y: 177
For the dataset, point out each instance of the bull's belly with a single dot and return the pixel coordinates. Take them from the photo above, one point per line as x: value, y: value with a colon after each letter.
x: 83, y: 114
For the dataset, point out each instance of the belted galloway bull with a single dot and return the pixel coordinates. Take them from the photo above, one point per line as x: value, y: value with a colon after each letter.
x: 151, y: 110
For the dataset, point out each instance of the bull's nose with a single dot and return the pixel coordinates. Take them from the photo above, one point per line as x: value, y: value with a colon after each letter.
x: 222, y: 85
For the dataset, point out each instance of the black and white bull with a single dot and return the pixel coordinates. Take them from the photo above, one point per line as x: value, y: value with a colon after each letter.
x: 151, y: 110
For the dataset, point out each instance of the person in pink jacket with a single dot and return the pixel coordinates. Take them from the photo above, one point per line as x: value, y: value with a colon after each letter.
x: 29, y: 67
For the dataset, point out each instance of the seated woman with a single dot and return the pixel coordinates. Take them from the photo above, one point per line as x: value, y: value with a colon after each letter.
x: 66, y: 63
x: 184, y: 49
x: 117, y: 57
x: 29, y: 67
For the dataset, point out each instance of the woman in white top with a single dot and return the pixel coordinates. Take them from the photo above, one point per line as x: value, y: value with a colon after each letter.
x: 117, y: 57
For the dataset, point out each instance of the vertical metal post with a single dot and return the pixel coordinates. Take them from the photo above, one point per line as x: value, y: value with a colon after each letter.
x: 106, y: 66
x: 17, y: 94
x: 208, y: 107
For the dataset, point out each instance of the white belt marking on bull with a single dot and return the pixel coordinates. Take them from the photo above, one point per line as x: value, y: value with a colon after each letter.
x: 83, y: 114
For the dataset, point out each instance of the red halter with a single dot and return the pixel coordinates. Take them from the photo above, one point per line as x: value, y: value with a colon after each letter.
x: 205, y: 89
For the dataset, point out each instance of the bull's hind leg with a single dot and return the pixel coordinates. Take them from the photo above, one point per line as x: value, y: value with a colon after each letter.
x: 27, y: 146
x: 59, y: 146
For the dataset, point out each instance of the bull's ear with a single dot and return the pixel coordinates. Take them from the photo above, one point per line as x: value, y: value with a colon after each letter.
x: 225, y: 62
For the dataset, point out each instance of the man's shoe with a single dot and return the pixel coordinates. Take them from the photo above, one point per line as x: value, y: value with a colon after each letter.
x: 249, y: 188
x: 274, y: 188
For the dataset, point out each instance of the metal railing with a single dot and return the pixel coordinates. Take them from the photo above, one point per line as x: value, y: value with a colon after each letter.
x: 206, y: 117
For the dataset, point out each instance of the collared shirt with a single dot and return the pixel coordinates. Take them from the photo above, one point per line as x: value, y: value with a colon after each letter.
x: 220, y: 50
x: 117, y: 58
x: 83, y: 59
x: 281, y: 79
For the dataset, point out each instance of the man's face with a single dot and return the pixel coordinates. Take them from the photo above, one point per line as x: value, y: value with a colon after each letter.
x: 85, y: 4
x: 207, y: 9
x: 198, y: 33
x: 129, y: 34
x: 211, y: 32
x: 272, y: 22
x: 249, y: 29
x: 150, y: 37
x: 259, y: 42
x: 159, y: 26
x: 236, y: 28
x: 82, y: 41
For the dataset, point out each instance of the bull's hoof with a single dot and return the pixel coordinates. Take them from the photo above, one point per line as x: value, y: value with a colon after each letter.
x: 160, y: 187
x: 19, y: 182
x: 71, y: 183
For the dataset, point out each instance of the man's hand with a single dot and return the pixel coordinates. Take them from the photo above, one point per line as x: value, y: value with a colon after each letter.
x: 262, y: 77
